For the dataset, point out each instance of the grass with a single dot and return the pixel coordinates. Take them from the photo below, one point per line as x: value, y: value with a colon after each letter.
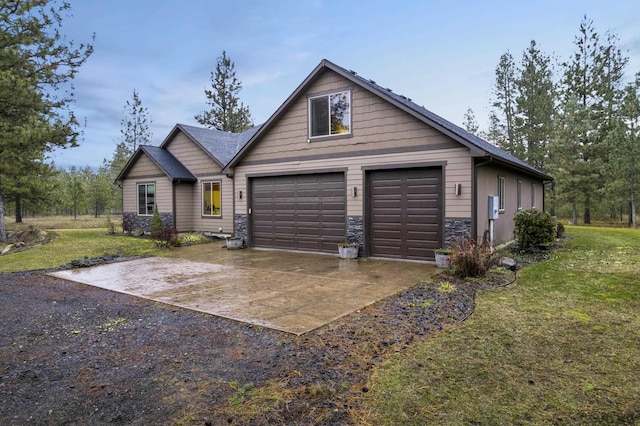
x: 90, y: 240
x: 558, y: 347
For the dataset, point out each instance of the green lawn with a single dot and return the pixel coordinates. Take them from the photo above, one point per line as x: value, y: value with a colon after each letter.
x: 71, y: 244
x: 561, y: 346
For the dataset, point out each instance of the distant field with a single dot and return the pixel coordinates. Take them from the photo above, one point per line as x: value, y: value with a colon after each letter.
x: 64, y: 222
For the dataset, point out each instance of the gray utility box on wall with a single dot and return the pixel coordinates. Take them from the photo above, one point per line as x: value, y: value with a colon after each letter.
x: 494, y: 207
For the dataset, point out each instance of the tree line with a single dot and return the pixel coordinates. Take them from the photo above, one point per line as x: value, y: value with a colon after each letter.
x: 575, y: 119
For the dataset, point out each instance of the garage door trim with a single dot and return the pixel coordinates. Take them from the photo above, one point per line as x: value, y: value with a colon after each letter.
x: 367, y: 202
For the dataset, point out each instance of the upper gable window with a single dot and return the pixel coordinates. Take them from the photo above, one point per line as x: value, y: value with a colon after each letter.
x: 330, y: 114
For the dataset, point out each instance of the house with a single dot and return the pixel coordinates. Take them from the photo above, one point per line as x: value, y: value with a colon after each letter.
x: 343, y: 158
x: 183, y: 177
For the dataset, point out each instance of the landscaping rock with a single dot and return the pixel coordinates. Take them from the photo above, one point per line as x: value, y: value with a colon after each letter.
x: 7, y: 249
x: 137, y: 232
x: 508, y: 263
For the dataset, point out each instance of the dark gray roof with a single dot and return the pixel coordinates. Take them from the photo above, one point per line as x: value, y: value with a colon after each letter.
x: 476, y: 144
x: 162, y: 158
x: 168, y: 163
x: 221, y: 146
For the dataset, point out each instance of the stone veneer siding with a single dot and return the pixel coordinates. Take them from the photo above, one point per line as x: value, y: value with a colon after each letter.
x: 240, y: 224
x: 132, y: 221
x: 355, y: 231
x: 456, y: 228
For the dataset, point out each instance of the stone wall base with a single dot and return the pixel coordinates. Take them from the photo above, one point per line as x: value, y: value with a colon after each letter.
x: 456, y: 228
x: 132, y: 221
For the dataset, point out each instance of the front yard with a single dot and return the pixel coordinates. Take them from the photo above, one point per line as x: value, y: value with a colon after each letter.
x: 561, y: 346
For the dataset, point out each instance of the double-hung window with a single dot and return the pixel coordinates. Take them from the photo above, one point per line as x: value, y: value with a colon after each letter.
x: 330, y: 114
x: 501, y: 192
x: 146, y: 198
x: 211, y: 200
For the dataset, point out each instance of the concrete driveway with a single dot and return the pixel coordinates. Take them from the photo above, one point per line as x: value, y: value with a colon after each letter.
x: 291, y: 292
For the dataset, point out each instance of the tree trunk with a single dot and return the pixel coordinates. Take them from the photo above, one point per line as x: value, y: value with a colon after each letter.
x: 3, y: 229
x: 18, y: 209
x: 587, y: 210
x: 574, y: 212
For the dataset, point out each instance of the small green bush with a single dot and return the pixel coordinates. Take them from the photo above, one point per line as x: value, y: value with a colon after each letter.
x: 156, y: 223
x: 533, y: 228
x: 469, y: 258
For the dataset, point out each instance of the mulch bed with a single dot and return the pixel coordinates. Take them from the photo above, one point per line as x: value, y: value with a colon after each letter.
x: 74, y: 354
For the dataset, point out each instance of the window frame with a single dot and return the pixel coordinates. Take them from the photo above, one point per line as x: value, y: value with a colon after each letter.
x: 533, y: 195
x: 501, y: 193
x: 146, y: 196
x: 519, y: 194
x: 328, y: 96
x: 202, y: 201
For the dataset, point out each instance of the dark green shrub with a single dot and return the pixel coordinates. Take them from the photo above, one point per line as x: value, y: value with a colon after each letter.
x: 469, y: 258
x: 156, y: 223
x: 533, y: 228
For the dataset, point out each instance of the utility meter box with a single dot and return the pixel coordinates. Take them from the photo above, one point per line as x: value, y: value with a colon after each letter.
x: 494, y: 207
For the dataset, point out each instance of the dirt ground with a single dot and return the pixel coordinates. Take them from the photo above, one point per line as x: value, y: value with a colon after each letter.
x: 75, y: 354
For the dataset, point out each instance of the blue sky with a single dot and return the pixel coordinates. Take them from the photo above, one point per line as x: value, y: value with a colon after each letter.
x: 442, y: 54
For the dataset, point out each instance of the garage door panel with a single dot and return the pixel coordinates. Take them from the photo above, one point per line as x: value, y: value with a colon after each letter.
x: 299, y: 212
x: 405, y: 212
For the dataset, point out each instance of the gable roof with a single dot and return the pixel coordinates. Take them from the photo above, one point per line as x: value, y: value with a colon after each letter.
x: 165, y: 161
x: 220, y: 146
x: 479, y: 147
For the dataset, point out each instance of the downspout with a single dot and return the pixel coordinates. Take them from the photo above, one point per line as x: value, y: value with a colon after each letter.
x: 474, y: 210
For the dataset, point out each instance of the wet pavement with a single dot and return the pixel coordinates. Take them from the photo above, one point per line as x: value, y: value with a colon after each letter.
x: 291, y: 292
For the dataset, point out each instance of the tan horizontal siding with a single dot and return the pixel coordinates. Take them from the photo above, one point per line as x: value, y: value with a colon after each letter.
x: 457, y: 170
x: 184, y: 203
x: 191, y: 155
x: 144, y: 167
x: 213, y: 224
x: 376, y: 124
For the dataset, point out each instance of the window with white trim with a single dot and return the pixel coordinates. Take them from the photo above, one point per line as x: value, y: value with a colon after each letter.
x: 211, y: 199
x: 533, y: 195
x: 146, y: 198
x: 501, y: 192
x: 330, y: 114
x: 519, y: 185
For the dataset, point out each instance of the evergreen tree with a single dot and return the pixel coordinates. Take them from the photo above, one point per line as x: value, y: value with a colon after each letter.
x: 503, y: 114
x: 592, y: 77
x: 135, y: 124
x: 470, y: 122
x: 535, y: 105
x: 35, y: 61
x: 227, y: 113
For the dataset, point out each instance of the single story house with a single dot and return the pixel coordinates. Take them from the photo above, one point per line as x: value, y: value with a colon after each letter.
x: 342, y: 159
x: 183, y: 177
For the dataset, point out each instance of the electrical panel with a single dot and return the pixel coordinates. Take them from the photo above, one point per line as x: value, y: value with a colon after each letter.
x: 494, y: 207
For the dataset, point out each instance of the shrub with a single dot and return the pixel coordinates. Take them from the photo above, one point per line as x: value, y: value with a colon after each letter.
x: 532, y: 228
x: 156, y: 223
x: 167, y: 237
x: 469, y: 258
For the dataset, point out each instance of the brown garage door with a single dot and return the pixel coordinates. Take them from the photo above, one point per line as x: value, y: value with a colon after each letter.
x: 405, y: 213
x: 300, y: 212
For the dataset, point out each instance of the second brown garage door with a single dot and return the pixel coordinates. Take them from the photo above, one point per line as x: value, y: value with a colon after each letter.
x: 298, y: 212
x: 405, y: 213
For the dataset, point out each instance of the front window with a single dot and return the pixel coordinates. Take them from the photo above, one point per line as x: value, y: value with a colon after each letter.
x: 501, y: 192
x: 330, y: 115
x: 146, y: 198
x: 211, y: 200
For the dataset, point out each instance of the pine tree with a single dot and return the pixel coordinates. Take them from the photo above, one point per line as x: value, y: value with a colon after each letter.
x: 135, y: 124
x: 535, y: 105
x: 36, y: 61
x: 503, y: 114
x: 227, y: 113
x: 470, y: 122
